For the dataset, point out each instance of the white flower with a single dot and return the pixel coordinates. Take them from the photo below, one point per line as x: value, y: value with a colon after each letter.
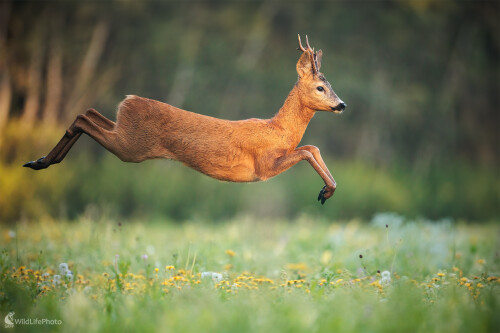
x: 216, y: 277
x: 12, y: 234
x: 69, y: 275
x: 63, y: 268
x: 386, y: 278
x: 56, y: 279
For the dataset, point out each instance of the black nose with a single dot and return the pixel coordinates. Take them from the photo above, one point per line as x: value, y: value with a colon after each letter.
x: 339, y: 107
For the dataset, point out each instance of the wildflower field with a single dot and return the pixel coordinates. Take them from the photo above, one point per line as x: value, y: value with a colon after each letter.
x: 389, y: 274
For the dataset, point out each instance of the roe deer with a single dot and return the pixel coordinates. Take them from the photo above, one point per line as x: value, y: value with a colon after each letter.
x: 238, y: 151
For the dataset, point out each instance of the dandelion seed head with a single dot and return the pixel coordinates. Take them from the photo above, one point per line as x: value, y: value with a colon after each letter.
x: 386, y: 278
x: 63, y: 268
x: 216, y: 277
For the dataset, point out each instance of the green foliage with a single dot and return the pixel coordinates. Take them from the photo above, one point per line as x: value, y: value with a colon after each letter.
x: 168, y: 189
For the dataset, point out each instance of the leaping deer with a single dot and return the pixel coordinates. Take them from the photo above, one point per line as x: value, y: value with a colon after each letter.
x: 239, y: 151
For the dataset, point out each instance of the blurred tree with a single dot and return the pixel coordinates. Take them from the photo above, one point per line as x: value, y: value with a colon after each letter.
x: 5, y: 84
x: 54, y: 80
x: 78, y: 99
x: 34, y: 86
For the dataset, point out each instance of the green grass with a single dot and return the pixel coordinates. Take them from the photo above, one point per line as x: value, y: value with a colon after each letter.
x: 301, y: 276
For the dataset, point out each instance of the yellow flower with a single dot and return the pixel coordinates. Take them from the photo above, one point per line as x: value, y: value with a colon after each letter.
x: 440, y: 274
x: 230, y: 253
x: 481, y: 261
x: 157, y: 270
x: 297, y: 267
x: 169, y: 268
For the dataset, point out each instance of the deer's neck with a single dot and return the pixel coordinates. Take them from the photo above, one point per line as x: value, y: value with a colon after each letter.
x: 293, y: 117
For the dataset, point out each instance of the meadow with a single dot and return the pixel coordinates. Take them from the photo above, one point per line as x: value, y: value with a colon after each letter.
x: 387, y: 274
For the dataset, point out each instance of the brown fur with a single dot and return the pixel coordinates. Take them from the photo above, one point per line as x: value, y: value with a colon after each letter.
x: 238, y: 151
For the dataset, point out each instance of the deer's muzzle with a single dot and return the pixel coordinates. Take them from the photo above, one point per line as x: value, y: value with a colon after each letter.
x: 340, y: 107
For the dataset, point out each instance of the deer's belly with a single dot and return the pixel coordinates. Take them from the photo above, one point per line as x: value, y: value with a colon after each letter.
x: 241, y: 170
x: 239, y: 174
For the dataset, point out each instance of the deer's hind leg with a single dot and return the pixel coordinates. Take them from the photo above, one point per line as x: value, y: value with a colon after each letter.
x: 92, y: 123
x: 98, y: 119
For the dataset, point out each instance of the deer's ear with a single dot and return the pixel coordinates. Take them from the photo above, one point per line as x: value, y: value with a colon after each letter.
x: 319, y: 55
x: 304, y: 65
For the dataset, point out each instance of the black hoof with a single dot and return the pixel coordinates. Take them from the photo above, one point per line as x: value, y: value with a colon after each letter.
x: 38, y: 164
x: 321, y: 195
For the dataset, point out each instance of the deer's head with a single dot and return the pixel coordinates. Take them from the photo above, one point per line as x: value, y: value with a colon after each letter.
x: 314, y: 90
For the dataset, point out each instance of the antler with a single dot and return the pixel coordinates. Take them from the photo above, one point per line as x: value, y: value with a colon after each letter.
x: 300, y: 44
x: 309, y: 46
x: 311, y: 52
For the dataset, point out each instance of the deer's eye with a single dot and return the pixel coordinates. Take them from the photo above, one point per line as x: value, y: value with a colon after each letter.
x: 320, y: 88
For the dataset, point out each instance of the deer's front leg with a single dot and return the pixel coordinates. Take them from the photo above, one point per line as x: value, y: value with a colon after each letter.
x: 317, y: 156
x: 287, y: 161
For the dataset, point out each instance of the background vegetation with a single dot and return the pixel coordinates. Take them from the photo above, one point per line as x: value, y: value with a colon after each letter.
x: 419, y: 136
